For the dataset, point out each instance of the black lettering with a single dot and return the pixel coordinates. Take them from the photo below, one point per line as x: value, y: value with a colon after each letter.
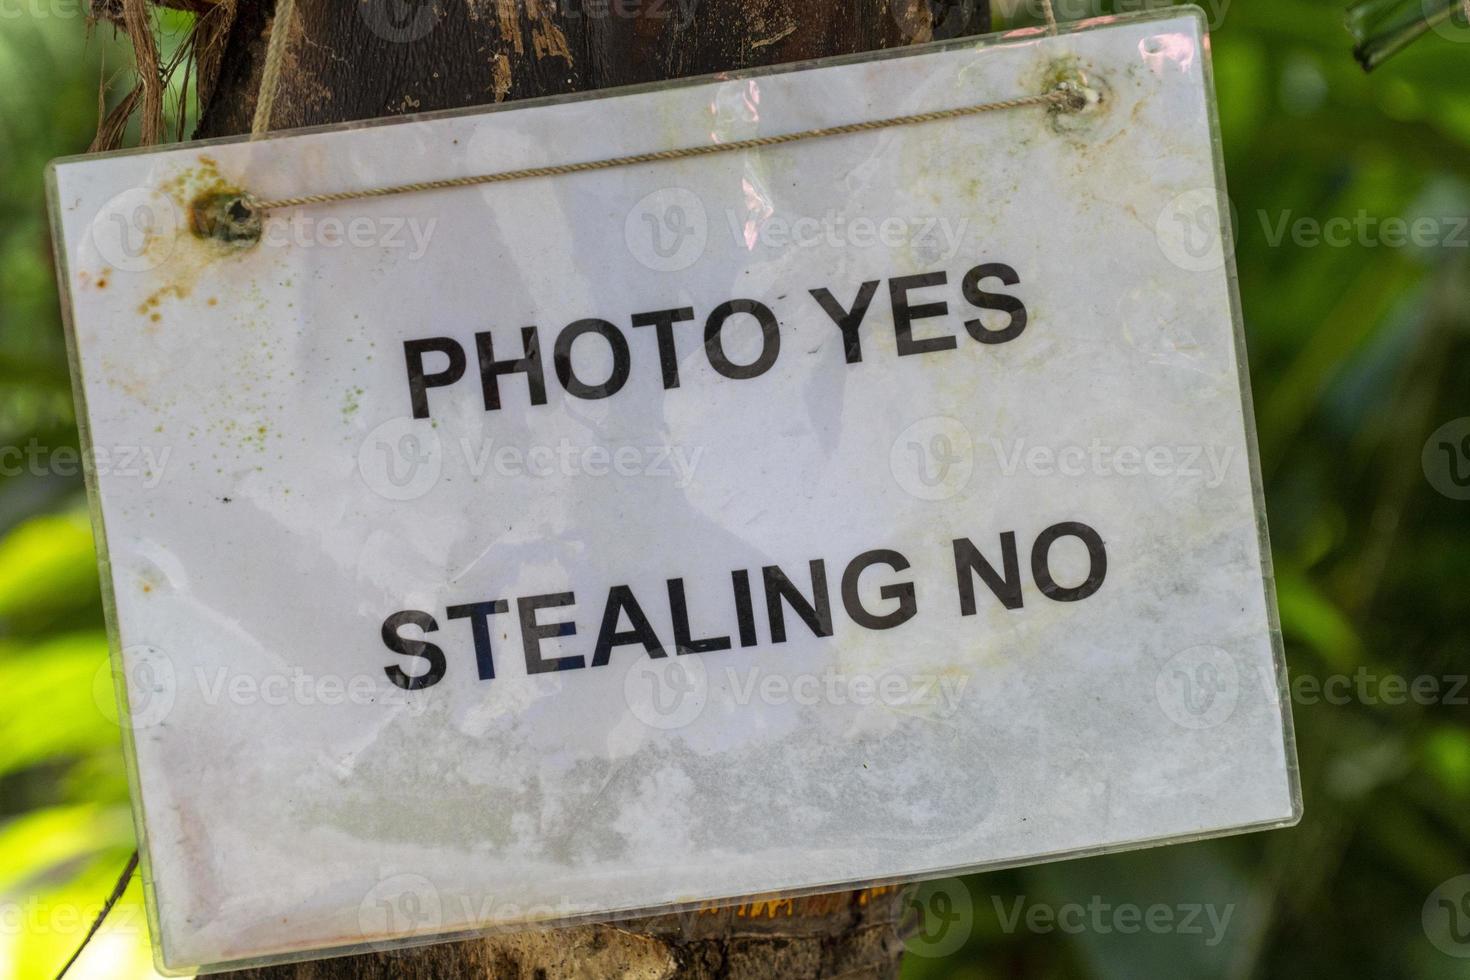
x: 529, y: 362
x: 744, y: 607
x: 562, y: 359
x: 1097, y: 557
x: 968, y: 562
x: 683, y: 641
x: 479, y: 613
x: 817, y: 613
x: 532, y: 633
x: 620, y: 600
x: 903, y: 592
x: 848, y: 321
x: 994, y: 301
x: 663, y: 323
x: 714, y: 346
x: 413, y: 648
x: 419, y: 383
x: 905, y: 314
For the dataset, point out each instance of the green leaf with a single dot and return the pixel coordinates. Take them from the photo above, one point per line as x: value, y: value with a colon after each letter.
x: 1309, y: 617
x: 59, y: 702
x: 47, y: 564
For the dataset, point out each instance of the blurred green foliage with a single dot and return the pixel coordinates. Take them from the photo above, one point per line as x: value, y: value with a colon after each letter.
x: 1358, y: 353
x: 65, y: 825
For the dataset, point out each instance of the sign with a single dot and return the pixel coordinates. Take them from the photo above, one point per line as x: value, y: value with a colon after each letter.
x: 865, y: 508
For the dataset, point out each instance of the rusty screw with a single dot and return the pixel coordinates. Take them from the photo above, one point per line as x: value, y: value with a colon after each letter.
x: 226, y: 217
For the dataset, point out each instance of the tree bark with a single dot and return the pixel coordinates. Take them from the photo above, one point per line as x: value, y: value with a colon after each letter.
x: 848, y: 935
x: 360, y: 59
x: 367, y: 58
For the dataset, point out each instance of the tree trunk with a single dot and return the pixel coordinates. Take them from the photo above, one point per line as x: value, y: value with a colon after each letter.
x: 360, y: 59
x: 851, y: 935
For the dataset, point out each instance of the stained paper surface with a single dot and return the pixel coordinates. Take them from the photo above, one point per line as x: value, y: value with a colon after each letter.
x: 269, y: 500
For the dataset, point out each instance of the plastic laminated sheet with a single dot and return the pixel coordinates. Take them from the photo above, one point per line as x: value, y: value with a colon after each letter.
x: 860, y: 509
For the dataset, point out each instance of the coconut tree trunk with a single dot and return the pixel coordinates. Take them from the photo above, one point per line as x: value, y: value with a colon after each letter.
x: 851, y: 935
x: 359, y: 59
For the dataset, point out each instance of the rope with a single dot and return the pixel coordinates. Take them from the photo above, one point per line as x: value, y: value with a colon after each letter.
x: 117, y: 893
x: 1064, y: 97
x: 1051, y: 15
x: 270, y: 75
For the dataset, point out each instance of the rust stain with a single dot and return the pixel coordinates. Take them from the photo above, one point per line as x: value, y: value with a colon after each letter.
x: 179, y: 256
x: 766, y: 909
x: 811, y: 905
x: 868, y: 894
x: 178, y: 289
x: 187, y: 185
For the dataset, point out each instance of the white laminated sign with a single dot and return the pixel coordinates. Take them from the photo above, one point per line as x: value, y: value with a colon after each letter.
x: 855, y: 508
